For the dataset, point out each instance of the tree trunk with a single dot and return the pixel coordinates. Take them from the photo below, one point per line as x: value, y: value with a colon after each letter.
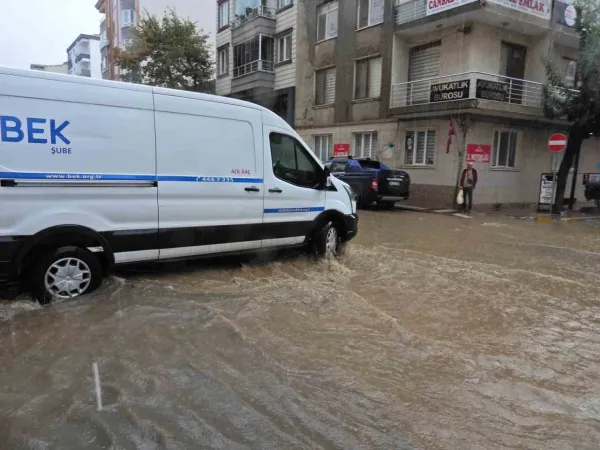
x: 573, y: 147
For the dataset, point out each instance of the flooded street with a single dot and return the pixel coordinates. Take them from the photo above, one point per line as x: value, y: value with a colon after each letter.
x: 432, y: 332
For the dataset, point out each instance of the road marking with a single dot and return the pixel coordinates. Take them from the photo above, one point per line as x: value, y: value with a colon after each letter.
x: 98, y: 388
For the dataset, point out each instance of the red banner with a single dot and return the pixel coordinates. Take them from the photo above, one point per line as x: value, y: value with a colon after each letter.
x: 341, y: 150
x: 478, y: 153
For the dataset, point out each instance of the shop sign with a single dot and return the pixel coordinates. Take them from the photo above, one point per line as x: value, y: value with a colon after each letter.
x: 437, y: 6
x: 565, y: 12
x: 538, y: 8
x: 341, y: 150
x: 478, y: 153
x: 445, y: 92
x: 492, y: 90
x: 546, y: 189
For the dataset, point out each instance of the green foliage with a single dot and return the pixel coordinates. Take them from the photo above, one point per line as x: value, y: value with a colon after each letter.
x: 168, y: 52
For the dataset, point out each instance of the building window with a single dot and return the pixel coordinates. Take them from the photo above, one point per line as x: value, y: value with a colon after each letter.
x: 254, y: 55
x: 419, y: 148
x: 370, y: 12
x: 126, y: 43
x: 504, y: 149
x: 327, y: 21
x: 223, y: 14
x: 365, y: 145
x: 570, y: 72
x: 324, y: 146
x: 367, y: 78
x: 283, y: 3
x: 325, y: 87
x: 223, y: 62
x: 283, y: 46
x: 128, y: 18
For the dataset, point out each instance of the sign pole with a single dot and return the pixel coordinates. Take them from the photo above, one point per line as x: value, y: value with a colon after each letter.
x: 557, y: 143
x: 574, y: 181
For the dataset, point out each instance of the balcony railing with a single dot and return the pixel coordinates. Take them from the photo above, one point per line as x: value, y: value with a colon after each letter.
x: 252, y: 13
x: 409, y: 11
x: 251, y: 67
x: 468, y: 85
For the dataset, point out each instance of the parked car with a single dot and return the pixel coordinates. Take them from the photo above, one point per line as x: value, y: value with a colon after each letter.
x: 592, y: 191
x: 372, y: 181
x: 94, y: 173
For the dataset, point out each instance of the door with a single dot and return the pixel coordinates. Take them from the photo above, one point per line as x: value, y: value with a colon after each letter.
x: 424, y: 64
x: 513, y: 66
x: 293, y: 198
x: 210, y: 186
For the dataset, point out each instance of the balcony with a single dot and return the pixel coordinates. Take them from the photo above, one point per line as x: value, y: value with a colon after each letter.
x: 104, y: 43
x: 254, y: 66
x: 415, y: 17
x: 83, y: 56
x: 256, y: 76
x: 251, y: 14
x: 468, y: 90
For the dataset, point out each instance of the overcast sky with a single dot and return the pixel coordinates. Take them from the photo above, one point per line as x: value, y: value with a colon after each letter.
x: 39, y: 31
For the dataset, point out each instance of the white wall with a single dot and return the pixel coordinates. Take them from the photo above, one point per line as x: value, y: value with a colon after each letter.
x: 95, y: 59
x: 285, y: 75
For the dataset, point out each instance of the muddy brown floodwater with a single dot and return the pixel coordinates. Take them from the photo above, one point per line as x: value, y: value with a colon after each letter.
x: 433, y: 332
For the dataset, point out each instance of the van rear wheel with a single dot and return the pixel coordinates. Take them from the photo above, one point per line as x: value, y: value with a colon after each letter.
x: 66, y: 272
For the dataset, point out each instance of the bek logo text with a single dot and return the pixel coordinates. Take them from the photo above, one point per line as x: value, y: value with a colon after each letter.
x: 36, y: 130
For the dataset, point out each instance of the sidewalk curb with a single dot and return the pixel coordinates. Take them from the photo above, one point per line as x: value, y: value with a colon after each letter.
x: 564, y: 219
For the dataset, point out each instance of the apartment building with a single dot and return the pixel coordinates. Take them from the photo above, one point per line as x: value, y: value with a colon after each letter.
x: 256, y: 53
x: 123, y: 15
x: 387, y: 77
x: 84, y: 56
x: 54, y: 68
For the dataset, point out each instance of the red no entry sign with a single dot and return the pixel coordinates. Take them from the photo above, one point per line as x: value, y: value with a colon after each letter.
x: 557, y: 142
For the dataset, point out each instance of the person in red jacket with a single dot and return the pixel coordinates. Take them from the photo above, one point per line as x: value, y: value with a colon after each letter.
x: 468, y: 181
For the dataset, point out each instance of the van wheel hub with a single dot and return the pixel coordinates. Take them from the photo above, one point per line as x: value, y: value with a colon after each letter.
x: 67, y: 278
x: 331, y: 241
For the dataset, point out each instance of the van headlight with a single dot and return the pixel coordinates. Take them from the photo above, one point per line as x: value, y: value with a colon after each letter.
x: 352, y: 196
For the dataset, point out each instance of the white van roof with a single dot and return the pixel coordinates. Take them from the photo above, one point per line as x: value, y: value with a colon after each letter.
x: 269, y: 117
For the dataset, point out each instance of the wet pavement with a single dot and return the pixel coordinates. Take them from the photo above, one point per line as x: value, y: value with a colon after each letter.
x: 432, y: 332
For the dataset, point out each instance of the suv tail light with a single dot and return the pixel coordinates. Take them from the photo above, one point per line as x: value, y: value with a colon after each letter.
x: 374, y: 184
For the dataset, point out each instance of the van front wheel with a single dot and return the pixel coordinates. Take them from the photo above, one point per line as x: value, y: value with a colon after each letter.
x: 66, y: 272
x: 327, y: 241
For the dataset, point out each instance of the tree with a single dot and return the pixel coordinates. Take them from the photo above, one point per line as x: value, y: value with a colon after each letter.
x: 578, y: 102
x: 168, y: 52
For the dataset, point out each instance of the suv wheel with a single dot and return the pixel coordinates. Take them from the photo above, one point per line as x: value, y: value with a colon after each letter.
x: 66, y: 272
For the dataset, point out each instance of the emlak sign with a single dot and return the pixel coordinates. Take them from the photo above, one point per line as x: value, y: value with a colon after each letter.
x: 437, y: 6
x: 538, y: 8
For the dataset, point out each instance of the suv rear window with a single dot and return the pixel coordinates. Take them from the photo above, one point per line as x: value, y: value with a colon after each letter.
x: 366, y: 164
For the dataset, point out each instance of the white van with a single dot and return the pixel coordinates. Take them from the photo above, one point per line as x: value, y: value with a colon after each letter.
x: 95, y: 173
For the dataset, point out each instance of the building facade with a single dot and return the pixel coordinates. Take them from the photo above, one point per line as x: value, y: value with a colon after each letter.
x: 121, y: 16
x: 54, y: 68
x: 84, y: 56
x: 389, y: 77
x: 256, y: 53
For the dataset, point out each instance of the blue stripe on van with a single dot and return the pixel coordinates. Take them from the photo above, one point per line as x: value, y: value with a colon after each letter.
x: 293, y: 210
x: 123, y: 177
x: 209, y: 179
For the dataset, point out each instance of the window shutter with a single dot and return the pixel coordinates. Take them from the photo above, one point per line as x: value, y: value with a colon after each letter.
x: 430, y: 149
x: 424, y: 63
x: 330, y: 86
x: 373, y: 150
x: 320, y: 88
x: 375, y: 77
x: 420, y: 148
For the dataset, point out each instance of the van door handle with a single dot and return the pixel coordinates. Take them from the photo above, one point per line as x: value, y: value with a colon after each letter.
x: 252, y: 189
x: 275, y: 190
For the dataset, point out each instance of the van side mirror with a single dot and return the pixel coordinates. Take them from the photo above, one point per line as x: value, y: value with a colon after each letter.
x: 323, y: 178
